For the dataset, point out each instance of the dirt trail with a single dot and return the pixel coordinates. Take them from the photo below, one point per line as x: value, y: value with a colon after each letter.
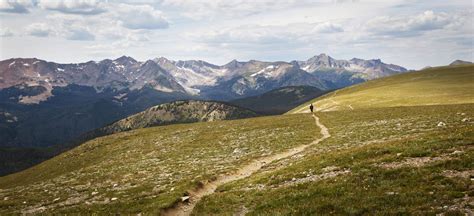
x: 185, y: 208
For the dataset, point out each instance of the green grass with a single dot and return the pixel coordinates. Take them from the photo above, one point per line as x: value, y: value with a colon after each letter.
x: 436, y: 86
x: 387, y: 156
x: 151, y: 168
x: 362, y: 141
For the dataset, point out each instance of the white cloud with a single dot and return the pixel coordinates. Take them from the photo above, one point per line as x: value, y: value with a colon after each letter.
x: 80, y: 34
x: 15, y: 6
x: 39, y: 30
x: 328, y: 27
x: 84, y: 7
x: 199, y: 9
x: 6, y: 32
x: 273, y: 34
x: 410, y: 25
x: 140, y: 17
x: 243, y: 34
x: 220, y: 30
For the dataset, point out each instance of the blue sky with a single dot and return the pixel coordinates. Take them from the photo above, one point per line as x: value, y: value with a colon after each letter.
x: 411, y: 33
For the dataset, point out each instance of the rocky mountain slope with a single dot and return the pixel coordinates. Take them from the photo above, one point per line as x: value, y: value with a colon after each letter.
x: 239, y: 79
x: 280, y: 100
x: 176, y: 112
x: 347, y: 72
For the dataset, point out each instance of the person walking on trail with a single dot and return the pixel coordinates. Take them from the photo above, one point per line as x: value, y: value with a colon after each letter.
x: 311, y: 107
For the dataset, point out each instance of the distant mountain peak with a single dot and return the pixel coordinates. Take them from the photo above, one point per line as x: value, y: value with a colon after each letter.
x: 234, y: 63
x: 125, y: 59
x: 321, y: 56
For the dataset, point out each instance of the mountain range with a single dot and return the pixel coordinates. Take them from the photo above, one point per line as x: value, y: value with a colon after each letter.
x: 39, y: 98
x: 194, y: 77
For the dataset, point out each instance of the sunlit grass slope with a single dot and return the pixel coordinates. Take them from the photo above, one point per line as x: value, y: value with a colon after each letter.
x: 435, y: 86
x: 389, y: 161
x: 148, y: 169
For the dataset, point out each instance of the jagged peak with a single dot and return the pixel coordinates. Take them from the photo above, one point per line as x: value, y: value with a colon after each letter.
x: 125, y: 59
x: 233, y: 63
x: 162, y: 59
x: 322, y: 56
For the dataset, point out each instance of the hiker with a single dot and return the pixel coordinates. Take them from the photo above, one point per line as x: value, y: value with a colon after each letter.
x: 311, y: 107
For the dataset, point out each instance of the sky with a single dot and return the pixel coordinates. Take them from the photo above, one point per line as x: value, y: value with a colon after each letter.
x: 410, y: 33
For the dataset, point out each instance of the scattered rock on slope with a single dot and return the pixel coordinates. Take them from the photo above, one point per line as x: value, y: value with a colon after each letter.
x: 176, y: 112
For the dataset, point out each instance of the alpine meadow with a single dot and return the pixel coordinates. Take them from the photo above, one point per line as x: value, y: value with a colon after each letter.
x: 200, y: 107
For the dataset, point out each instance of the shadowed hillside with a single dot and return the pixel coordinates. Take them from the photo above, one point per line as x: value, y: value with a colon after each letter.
x: 279, y: 100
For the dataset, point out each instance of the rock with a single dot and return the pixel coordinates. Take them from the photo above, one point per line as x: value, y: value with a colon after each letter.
x: 114, y: 198
x: 94, y: 193
x: 399, y: 154
x: 441, y: 124
x: 6, y: 198
x: 330, y: 168
x: 293, y: 179
x: 185, y: 199
x: 106, y: 201
x: 390, y: 193
x: 457, y: 152
x: 172, y: 189
x: 237, y: 151
x: 115, y: 185
x: 57, y: 199
x: 466, y: 120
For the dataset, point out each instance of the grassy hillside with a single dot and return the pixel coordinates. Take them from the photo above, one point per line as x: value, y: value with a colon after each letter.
x: 435, y: 86
x: 393, y: 161
x: 280, y: 100
x: 148, y: 169
x: 391, y: 151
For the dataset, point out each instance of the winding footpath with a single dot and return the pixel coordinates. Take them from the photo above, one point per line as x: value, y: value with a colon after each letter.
x: 185, y: 208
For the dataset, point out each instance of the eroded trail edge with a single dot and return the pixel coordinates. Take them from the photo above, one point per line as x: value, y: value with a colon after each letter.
x: 185, y: 208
